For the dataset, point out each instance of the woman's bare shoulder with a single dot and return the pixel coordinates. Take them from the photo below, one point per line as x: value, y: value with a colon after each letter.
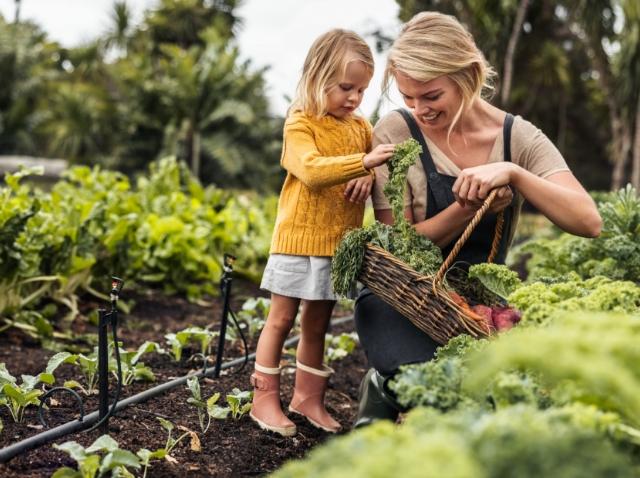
x: 392, y: 126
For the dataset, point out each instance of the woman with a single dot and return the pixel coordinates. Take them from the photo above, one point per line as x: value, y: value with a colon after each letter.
x: 469, y: 148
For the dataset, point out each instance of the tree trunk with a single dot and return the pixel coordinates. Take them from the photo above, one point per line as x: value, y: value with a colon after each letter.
x: 620, y: 132
x: 521, y: 13
x: 635, y: 170
x: 622, y: 148
x: 17, y: 16
x: 195, y: 153
x: 562, y: 124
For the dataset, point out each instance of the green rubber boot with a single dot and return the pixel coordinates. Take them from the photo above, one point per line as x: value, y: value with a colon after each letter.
x: 375, y: 401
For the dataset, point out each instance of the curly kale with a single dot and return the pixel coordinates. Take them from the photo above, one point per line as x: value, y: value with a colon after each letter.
x: 614, y: 254
x: 404, y: 156
x: 499, y: 279
x: 539, y: 301
x: 401, y: 239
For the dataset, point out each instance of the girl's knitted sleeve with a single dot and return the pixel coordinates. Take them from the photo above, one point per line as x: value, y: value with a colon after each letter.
x: 300, y: 157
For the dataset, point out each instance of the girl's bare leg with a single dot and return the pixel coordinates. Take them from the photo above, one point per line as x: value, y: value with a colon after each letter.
x: 314, y: 323
x: 279, y: 322
x: 266, y: 410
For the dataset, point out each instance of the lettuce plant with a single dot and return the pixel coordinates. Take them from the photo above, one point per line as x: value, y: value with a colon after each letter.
x: 177, y: 341
x: 98, y: 459
x: 18, y: 396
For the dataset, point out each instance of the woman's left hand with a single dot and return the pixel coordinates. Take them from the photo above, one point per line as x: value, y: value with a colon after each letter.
x: 474, y: 184
x: 359, y: 189
x: 503, y: 199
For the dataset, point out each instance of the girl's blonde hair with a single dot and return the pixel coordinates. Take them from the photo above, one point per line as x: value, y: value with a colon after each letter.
x: 431, y: 45
x: 324, y: 66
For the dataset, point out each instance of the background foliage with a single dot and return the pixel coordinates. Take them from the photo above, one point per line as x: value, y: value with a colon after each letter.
x: 174, y: 84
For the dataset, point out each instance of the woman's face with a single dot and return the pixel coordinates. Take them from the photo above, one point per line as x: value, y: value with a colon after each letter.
x: 434, y: 103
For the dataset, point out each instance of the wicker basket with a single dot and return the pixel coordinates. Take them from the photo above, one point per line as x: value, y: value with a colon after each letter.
x: 424, y: 299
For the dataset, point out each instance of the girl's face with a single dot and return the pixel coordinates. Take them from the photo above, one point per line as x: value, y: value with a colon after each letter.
x: 434, y: 103
x: 346, y: 95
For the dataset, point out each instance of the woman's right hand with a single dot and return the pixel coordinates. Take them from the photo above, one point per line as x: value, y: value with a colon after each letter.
x: 379, y: 155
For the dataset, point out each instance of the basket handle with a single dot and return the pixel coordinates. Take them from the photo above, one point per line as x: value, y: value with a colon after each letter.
x: 467, y: 233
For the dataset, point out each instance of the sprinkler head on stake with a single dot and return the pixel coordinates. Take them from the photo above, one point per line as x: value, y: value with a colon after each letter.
x: 116, y: 287
x: 228, y: 262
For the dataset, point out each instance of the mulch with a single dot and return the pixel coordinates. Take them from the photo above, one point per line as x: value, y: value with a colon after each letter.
x: 229, y: 448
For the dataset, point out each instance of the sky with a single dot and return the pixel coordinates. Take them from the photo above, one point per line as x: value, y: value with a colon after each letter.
x: 274, y: 33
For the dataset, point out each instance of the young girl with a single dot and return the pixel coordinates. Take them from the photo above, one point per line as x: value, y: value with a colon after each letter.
x: 328, y: 178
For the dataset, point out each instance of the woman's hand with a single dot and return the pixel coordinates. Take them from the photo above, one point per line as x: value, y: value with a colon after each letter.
x: 474, y: 184
x: 378, y: 155
x: 359, y: 189
x: 502, y: 200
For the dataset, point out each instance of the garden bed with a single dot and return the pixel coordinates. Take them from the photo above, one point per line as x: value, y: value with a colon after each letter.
x: 229, y: 447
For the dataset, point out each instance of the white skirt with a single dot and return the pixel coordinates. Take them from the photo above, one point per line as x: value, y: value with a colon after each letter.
x: 302, y: 277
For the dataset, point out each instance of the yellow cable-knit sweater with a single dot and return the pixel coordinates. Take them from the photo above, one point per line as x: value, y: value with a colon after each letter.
x: 320, y: 155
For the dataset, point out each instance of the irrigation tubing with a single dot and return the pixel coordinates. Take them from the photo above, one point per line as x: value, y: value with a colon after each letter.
x: 9, y: 452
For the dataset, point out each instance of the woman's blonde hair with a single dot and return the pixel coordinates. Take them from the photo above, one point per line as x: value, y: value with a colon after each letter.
x: 431, y: 45
x: 325, y: 64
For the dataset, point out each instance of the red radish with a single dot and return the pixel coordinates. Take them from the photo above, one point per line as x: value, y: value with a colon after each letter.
x: 505, y: 317
x: 484, y: 312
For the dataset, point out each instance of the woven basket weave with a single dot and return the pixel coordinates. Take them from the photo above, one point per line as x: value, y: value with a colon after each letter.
x: 423, y: 299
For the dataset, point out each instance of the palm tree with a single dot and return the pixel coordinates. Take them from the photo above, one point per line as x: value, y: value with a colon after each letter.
x: 627, y: 69
x: 199, y: 86
x: 17, y: 14
x: 505, y: 90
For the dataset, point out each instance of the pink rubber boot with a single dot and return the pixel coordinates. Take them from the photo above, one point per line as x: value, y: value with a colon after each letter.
x: 266, y: 410
x: 308, y: 397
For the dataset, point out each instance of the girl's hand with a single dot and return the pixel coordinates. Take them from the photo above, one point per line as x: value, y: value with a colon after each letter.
x: 474, y: 184
x: 359, y: 189
x: 380, y: 154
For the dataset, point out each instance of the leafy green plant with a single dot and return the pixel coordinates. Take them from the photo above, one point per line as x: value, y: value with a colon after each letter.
x: 251, y: 317
x: 515, y: 442
x: 239, y: 403
x: 131, y: 367
x: 338, y: 347
x: 540, y: 301
x: 146, y: 455
x: 401, y: 239
x: 614, y: 254
x: 589, y: 358
x: 206, y: 409
x: 498, y: 278
x: 177, y: 341
x: 166, y: 230
x: 88, y: 365
x: 171, y: 442
x: 17, y: 397
x: 99, y: 458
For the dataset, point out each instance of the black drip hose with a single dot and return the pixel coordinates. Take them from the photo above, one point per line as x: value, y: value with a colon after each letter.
x: 244, y: 342
x: 73, y: 426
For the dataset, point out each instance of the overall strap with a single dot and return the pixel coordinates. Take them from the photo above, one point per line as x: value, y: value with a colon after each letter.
x: 506, y: 136
x: 440, y: 191
x: 509, y: 211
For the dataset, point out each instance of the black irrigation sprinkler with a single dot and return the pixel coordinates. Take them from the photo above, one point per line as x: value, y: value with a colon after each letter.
x: 74, y: 426
x: 104, y: 320
x: 225, y: 289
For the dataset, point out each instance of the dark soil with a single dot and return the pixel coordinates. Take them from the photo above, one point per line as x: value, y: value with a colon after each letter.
x: 229, y: 448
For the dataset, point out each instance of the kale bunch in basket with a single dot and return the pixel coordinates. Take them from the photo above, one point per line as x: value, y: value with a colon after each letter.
x: 401, y: 239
